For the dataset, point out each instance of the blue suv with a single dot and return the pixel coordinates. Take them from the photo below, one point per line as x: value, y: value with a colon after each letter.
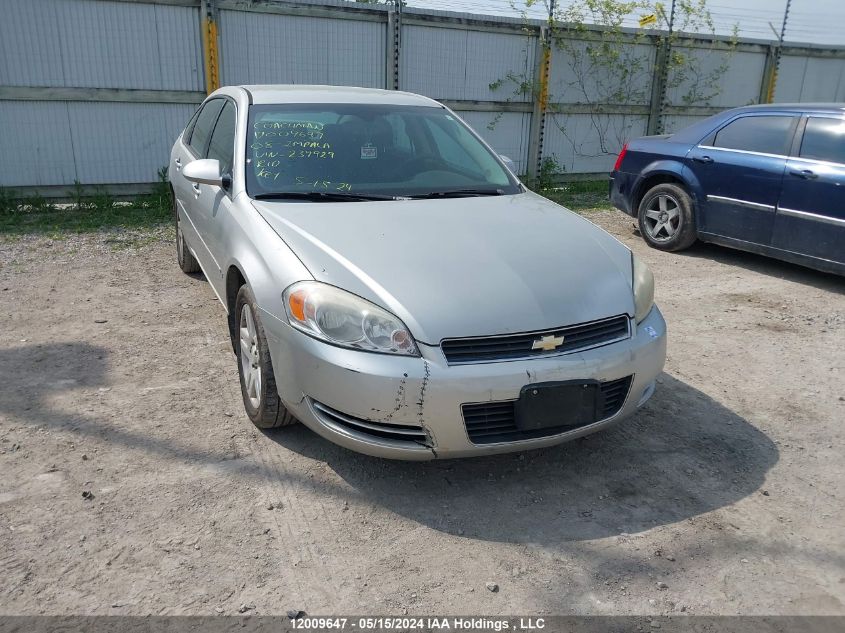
x: 769, y: 179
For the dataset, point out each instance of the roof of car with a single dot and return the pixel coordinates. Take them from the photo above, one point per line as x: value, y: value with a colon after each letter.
x: 802, y: 107
x: 288, y: 93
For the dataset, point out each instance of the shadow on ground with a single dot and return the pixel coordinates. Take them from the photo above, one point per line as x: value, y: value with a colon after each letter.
x: 682, y: 455
x: 767, y: 266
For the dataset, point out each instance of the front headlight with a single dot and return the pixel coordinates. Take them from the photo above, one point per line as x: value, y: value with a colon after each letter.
x: 344, y: 319
x: 643, y: 285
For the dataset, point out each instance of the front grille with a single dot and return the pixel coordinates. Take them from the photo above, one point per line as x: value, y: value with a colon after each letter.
x: 494, y: 422
x: 383, y: 430
x: 513, y: 346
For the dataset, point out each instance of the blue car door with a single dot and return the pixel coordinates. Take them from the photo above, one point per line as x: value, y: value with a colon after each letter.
x: 811, y: 212
x: 740, y: 169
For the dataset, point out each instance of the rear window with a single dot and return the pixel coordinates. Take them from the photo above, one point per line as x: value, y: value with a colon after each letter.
x: 765, y: 134
x: 824, y: 139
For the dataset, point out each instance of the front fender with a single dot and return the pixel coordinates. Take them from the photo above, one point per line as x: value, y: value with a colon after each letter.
x: 264, y: 260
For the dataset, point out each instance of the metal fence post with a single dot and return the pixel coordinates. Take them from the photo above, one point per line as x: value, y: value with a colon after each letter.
x: 767, y: 83
x: 394, y: 36
x: 658, y: 86
x: 774, y: 66
x: 536, y: 130
x: 661, y: 66
x: 210, y: 44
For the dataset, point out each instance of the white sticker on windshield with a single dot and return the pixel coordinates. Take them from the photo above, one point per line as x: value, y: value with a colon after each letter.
x: 368, y: 152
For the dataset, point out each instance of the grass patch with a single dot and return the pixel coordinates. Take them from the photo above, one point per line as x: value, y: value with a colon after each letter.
x: 85, y: 214
x: 588, y: 195
x: 55, y: 221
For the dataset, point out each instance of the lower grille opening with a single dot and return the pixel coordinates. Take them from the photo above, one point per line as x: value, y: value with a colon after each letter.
x: 495, y: 422
x: 383, y: 430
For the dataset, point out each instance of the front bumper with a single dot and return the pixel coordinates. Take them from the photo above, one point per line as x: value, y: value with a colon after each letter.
x: 426, y: 393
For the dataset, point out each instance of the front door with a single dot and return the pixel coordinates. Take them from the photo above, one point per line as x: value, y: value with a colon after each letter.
x: 811, y: 211
x: 214, y: 204
x: 740, y: 168
x: 189, y: 194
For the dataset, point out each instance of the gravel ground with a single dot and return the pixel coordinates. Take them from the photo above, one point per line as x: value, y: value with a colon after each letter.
x: 132, y: 482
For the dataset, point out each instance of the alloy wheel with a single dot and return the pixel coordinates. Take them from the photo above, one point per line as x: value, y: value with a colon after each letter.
x: 663, y: 218
x: 250, y: 357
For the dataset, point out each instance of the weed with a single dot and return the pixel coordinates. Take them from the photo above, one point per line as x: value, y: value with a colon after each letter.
x: 101, y: 200
x: 77, y: 195
x: 9, y: 203
x: 37, y: 203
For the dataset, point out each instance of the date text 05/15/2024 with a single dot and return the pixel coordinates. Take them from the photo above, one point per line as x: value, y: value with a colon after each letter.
x: 420, y: 623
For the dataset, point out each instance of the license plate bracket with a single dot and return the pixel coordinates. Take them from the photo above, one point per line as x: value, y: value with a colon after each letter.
x: 568, y: 403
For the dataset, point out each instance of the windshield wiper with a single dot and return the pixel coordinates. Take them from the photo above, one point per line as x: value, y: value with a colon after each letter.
x: 460, y: 193
x: 320, y: 196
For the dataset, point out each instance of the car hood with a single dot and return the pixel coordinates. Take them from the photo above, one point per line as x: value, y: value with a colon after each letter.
x: 462, y: 266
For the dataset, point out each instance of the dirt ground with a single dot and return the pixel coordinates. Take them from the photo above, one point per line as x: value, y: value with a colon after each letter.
x: 131, y: 482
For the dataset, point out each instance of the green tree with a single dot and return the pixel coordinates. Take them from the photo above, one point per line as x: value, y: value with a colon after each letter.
x: 603, y: 69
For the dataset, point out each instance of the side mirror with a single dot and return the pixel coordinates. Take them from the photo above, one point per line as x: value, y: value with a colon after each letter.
x: 508, y: 163
x: 205, y: 171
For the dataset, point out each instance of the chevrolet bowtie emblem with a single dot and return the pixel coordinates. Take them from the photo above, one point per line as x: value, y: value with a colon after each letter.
x: 548, y: 343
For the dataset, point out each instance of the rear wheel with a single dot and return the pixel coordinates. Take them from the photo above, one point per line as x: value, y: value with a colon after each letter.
x: 187, y: 262
x: 258, y: 382
x: 666, y: 218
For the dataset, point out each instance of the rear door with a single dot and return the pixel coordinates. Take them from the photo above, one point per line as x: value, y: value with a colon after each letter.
x: 740, y: 168
x: 181, y: 156
x: 811, y: 212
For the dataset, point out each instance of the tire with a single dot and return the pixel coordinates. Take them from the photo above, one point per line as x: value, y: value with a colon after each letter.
x: 258, y: 382
x: 666, y: 218
x: 187, y: 262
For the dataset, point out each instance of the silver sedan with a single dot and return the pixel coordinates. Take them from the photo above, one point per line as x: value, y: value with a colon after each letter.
x: 391, y: 284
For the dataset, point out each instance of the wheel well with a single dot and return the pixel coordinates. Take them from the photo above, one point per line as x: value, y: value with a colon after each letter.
x: 234, y: 281
x: 651, y: 181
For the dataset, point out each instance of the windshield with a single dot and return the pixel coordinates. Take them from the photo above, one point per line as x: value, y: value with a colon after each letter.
x: 363, y: 150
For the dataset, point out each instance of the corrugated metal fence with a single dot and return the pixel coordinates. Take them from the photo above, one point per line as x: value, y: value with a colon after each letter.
x: 95, y: 91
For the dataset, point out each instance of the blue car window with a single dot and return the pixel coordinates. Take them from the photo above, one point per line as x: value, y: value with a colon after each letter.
x: 824, y: 139
x: 764, y: 134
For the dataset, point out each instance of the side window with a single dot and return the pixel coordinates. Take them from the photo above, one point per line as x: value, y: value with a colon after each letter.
x: 202, y: 128
x: 766, y: 134
x: 186, y: 135
x: 824, y: 139
x: 222, y: 145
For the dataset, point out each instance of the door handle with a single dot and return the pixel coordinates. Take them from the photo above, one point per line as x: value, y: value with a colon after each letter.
x: 196, y: 188
x: 178, y: 163
x: 702, y: 159
x: 806, y: 174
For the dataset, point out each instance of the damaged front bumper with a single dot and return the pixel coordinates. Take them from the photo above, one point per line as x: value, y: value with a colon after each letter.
x: 411, y: 407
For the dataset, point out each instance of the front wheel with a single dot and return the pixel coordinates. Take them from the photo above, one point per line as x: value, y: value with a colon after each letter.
x: 666, y: 218
x: 258, y: 382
